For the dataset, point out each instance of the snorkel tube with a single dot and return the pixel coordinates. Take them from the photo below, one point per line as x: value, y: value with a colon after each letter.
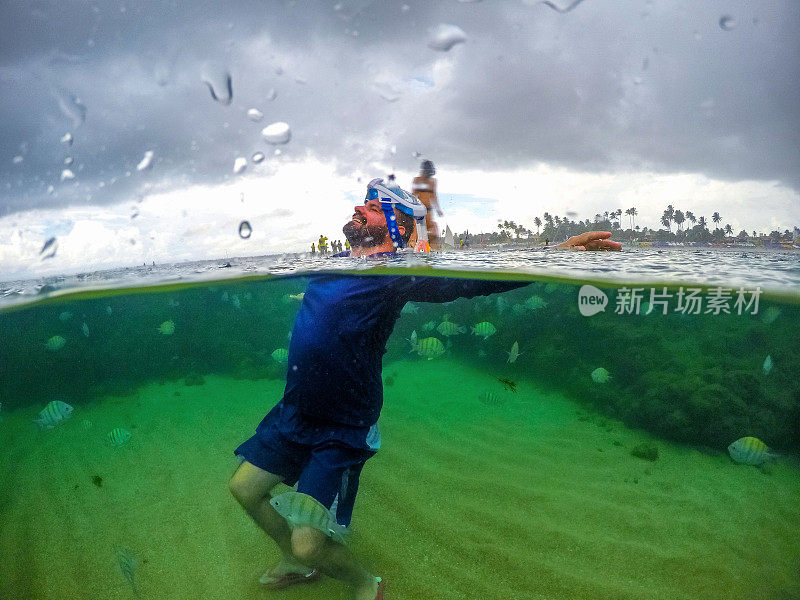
x: 395, y: 197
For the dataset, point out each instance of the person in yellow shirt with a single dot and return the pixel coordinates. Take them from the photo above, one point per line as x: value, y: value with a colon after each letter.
x: 424, y: 188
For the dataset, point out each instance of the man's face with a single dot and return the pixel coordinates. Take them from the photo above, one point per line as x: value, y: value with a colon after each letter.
x: 368, y: 226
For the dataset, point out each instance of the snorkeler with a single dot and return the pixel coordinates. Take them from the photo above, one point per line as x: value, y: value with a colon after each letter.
x: 424, y: 188
x: 325, y: 427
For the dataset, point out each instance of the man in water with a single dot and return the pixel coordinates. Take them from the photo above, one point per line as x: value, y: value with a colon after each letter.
x: 323, y: 430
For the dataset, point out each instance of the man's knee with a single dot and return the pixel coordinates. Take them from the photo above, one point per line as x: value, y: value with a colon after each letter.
x: 250, y: 485
x: 307, y: 544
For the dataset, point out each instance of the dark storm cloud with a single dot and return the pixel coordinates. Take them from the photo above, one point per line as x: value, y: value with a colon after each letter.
x: 606, y: 87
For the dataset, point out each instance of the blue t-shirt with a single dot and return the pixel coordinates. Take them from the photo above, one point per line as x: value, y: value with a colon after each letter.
x: 340, y: 333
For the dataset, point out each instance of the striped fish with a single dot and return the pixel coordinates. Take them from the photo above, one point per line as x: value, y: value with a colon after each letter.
x: 484, y: 329
x: 750, y: 451
x: 128, y: 564
x: 491, y: 398
x: 446, y: 328
x: 280, y: 355
x: 429, y: 347
x: 301, y: 510
x: 118, y: 436
x: 54, y: 413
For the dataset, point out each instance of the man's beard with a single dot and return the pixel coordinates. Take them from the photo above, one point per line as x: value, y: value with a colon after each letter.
x: 365, y: 236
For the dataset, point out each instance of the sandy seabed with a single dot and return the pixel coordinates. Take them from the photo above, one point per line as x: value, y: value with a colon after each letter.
x: 531, y: 498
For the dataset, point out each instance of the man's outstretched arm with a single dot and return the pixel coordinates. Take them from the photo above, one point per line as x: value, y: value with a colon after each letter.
x: 591, y: 240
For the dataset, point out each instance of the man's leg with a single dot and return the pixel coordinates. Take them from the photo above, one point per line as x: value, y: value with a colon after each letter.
x: 251, y: 487
x: 315, y: 549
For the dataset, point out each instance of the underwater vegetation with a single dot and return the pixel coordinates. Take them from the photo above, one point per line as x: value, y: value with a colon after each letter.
x: 703, y: 379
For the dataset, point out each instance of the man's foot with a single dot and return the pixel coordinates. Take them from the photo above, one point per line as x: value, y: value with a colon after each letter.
x: 287, y: 574
x: 373, y: 591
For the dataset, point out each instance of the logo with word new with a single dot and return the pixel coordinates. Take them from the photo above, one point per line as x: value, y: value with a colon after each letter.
x: 591, y: 300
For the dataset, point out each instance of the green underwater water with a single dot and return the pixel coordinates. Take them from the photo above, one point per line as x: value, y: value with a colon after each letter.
x: 495, y: 480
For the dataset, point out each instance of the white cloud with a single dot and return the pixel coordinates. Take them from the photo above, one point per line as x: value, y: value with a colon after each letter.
x: 290, y: 207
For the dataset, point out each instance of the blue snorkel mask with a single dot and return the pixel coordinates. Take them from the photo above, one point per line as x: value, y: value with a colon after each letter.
x: 391, y: 197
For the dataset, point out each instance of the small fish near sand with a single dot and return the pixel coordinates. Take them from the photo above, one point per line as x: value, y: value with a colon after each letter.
x: 514, y: 353
x: 128, y: 564
x: 54, y: 413
x: 429, y: 347
x: 280, y: 355
x: 601, y: 375
x: 767, y: 364
x: 484, y: 329
x: 118, y: 437
x: 55, y: 343
x: 490, y: 398
x: 447, y: 328
x: 750, y: 451
x: 167, y: 328
x: 301, y: 510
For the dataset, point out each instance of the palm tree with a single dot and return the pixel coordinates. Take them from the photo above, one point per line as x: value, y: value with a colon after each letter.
x: 690, y: 217
x: 702, y: 222
x: 679, y: 218
x: 728, y: 229
x: 538, y: 222
x: 633, y: 215
x: 716, y: 218
x: 665, y: 220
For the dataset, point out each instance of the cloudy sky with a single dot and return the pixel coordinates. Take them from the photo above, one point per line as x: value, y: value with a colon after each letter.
x: 523, y: 109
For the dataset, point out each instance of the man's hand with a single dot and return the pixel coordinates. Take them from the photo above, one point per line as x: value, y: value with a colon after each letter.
x: 591, y: 240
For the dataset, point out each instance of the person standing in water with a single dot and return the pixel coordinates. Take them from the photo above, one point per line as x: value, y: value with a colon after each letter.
x: 424, y: 188
x: 325, y: 427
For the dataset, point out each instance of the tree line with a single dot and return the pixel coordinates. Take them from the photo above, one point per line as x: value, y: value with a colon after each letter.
x: 688, y: 228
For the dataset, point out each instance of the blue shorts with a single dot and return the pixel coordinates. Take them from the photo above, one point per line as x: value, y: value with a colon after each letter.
x: 324, y: 459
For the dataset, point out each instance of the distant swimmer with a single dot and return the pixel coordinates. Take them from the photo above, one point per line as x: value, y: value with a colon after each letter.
x: 313, y: 249
x: 424, y: 188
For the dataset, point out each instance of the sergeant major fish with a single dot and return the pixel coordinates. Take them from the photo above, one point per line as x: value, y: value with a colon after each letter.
x: 446, y: 328
x: 301, y: 510
x: 750, y: 451
x: 484, y: 329
x: 600, y: 375
x: 54, y: 413
x: 429, y: 347
x: 514, y: 354
x: 118, y: 437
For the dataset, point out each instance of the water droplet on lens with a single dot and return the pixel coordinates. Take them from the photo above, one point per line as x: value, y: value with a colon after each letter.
x: 277, y: 152
x: 277, y: 133
x: 255, y: 115
x: 68, y: 160
x: 51, y: 189
x: 67, y: 175
x: 245, y: 230
x: 219, y: 83
x: 49, y: 248
x: 67, y: 139
x: 727, y: 22
x: 444, y: 37
x: 405, y: 8
x: 272, y: 94
x: 17, y: 160
x: 72, y: 108
x: 257, y: 157
x: 637, y: 80
x: 239, y: 165
x: 146, y: 162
